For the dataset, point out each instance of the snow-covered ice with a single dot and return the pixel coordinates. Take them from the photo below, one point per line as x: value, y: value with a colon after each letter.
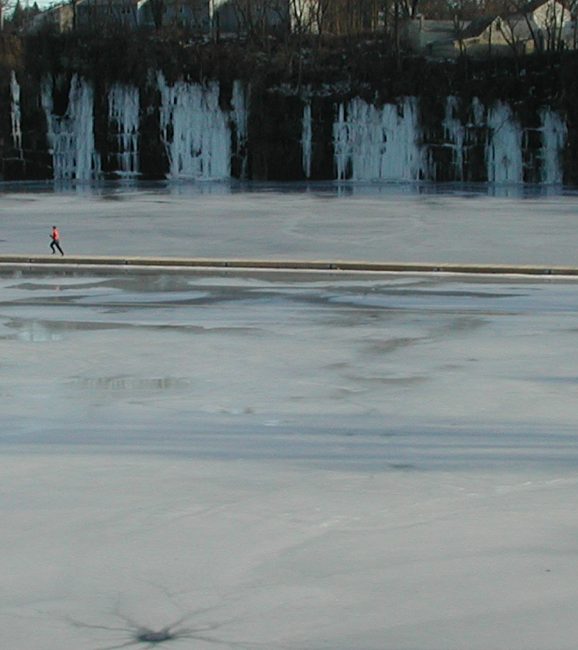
x: 289, y: 460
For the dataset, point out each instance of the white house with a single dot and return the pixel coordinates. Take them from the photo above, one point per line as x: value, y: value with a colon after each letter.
x: 541, y: 25
x: 99, y: 14
x: 193, y: 15
x: 134, y: 14
x: 250, y: 16
x: 59, y: 18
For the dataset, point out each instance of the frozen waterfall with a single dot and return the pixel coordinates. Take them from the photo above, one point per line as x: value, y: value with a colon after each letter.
x: 372, y: 143
x: 504, y: 148
x: 240, y: 119
x: 204, y: 130
x: 15, y: 117
x: 71, y: 136
x: 306, y: 139
x: 388, y: 143
x: 123, y: 116
x: 454, y: 134
x: 195, y: 130
x: 554, y: 134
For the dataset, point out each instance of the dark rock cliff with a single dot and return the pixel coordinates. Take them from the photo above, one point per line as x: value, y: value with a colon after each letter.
x: 279, y: 82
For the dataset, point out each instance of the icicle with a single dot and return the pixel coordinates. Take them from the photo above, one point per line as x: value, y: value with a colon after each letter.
x: 369, y: 139
x: 454, y: 131
x: 195, y: 130
x: 71, y: 137
x: 306, y: 138
x: 478, y: 111
x: 554, y: 134
x: 474, y: 134
x: 504, y: 147
x: 341, y: 147
x: 379, y: 144
x: 239, y: 118
x: 123, y: 113
x: 15, y: 114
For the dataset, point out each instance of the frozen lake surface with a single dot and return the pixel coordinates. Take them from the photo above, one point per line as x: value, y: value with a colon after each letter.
x: 352, y: 222
x: 288, y: 460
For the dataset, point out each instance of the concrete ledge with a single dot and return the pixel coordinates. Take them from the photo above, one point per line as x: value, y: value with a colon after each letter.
x: 38, y: 261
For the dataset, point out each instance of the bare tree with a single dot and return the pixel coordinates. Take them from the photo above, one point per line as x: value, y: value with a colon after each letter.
x: 5, y: 6
x: 408, y: 8
x: 258, y: 18
x: 348, y: 17
x: 304, y: 14
x: 320, y: 12
x: 157, y: 8
x: 555, y: 17
x: 544, y: 25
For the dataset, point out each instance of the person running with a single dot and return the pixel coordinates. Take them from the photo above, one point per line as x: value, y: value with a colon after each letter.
x: 55, y: 243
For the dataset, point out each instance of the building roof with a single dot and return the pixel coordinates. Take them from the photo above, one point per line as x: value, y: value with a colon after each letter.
x: 478, y: 26
x: 536, y: 4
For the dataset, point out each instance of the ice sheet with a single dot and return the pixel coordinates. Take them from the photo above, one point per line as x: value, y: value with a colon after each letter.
x: 368, y: 222
x: 288, y: 461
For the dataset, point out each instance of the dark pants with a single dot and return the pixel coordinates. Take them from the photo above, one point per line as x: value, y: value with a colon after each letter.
x: 56, y: 243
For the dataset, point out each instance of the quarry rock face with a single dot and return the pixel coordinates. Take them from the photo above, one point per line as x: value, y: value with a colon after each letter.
x: 68, y: 126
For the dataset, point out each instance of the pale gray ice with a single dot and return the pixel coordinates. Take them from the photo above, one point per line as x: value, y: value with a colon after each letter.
x: 289, y: 460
